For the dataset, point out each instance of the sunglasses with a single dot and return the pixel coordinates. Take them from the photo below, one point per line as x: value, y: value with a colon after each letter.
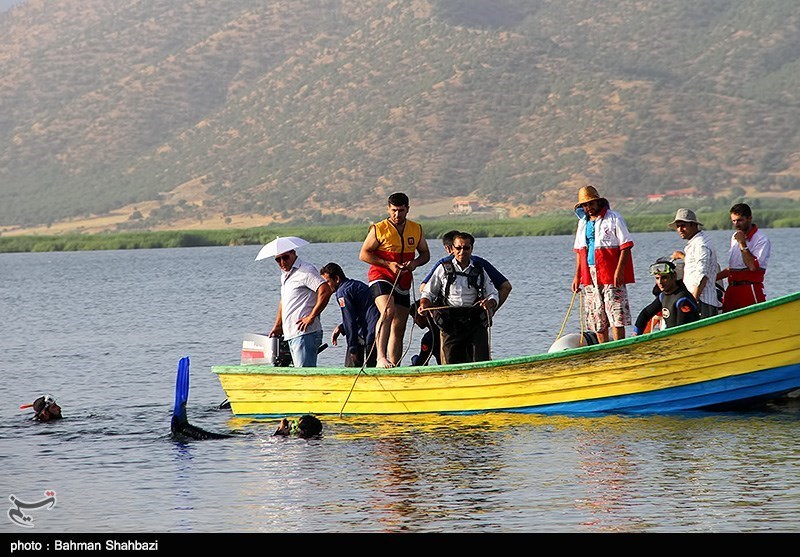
x: 460, y: 248
x: 284, y: 257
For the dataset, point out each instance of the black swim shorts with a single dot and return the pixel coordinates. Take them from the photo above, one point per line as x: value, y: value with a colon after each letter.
x: 382, y: 287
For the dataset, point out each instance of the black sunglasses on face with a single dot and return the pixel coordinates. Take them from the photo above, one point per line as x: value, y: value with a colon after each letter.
x: 284, y: 257
x: 459, y: 248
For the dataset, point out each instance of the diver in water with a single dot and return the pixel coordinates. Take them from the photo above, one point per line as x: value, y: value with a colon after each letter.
x: 45, y: 408
x: 179, y: 425
x: 305, y: 427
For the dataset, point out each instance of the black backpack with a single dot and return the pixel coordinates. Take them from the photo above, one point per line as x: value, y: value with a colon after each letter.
x: 475, y: 279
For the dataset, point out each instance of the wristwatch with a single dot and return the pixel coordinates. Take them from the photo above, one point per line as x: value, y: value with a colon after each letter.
x: 745, y: 248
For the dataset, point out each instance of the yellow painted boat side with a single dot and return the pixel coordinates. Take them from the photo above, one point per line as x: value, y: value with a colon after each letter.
x: 761, y: 337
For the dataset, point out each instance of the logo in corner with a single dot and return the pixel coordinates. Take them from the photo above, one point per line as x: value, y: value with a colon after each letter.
x: 18, y: 516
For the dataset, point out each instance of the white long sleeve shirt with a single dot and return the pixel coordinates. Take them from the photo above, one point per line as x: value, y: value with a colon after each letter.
x: 701, y: 261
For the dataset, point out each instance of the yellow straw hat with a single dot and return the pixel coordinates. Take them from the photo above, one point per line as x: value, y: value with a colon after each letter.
x: 587, y: 194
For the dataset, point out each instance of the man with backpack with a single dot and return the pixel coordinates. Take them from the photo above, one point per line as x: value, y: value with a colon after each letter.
x: 461, y: 297
x: 499, y: 280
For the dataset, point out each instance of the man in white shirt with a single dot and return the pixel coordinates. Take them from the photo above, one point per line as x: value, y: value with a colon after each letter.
x: 700, y: 262
x: 467, y: 298
x: 304, y: 294
x: 747, y: 261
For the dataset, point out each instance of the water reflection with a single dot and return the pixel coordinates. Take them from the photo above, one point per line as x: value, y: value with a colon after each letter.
x: 434, y: 470
x: 607, y: 473
x: 696, y: 473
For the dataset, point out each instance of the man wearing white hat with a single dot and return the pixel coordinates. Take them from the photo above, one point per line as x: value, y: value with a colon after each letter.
x: 700, y: 262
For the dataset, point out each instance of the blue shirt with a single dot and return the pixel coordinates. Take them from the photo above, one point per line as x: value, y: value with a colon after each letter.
x: 495, y: 276
x: 359, y: 313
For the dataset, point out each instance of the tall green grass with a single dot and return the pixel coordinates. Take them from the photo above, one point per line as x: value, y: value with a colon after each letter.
x: 547, y: 225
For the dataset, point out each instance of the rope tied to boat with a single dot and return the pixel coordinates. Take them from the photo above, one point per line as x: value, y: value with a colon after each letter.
x: 566, y: 317
x: 487, y: 311
x: 583, y: 314
x: 374, y: 344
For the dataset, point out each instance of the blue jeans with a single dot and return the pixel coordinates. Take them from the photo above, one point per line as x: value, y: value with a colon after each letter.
x: 304, y: 349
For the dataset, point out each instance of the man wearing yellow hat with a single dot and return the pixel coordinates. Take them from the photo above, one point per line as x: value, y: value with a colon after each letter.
x: 603, y: 264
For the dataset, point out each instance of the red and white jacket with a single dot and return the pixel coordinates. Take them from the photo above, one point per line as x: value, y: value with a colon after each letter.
x: 611, y: 235
x: 760, y: 248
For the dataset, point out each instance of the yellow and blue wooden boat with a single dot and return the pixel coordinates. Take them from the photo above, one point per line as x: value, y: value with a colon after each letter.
x: 748, y: 355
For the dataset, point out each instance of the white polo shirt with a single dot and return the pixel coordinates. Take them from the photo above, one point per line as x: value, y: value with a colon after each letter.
x: 299, y: 287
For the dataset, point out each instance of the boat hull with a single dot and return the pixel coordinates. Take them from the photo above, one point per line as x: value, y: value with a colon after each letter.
x: 750, y: 354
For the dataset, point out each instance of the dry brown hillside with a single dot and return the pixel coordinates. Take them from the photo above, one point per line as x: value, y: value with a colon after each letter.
x: 156, y: 114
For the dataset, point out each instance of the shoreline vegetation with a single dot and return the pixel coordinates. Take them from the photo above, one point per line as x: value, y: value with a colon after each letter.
x: 355, y: 232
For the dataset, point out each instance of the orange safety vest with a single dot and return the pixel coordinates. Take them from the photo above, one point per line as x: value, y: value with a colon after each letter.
x: 394, y: 247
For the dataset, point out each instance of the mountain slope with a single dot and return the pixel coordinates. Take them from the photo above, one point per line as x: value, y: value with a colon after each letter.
x: 295, y: 108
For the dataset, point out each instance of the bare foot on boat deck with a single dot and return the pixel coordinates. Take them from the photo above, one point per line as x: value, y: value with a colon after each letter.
x: 384, y: 363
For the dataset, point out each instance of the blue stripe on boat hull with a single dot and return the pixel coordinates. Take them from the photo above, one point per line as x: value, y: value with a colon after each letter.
x: 738, y: 388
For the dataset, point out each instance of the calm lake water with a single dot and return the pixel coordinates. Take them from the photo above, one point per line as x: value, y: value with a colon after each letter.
x: 103, y: 332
